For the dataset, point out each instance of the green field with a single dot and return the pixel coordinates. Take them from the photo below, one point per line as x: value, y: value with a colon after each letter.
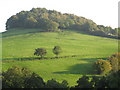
x: 21, y: 43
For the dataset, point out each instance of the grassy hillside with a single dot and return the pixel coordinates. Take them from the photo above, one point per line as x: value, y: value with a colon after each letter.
x: 20, y: 43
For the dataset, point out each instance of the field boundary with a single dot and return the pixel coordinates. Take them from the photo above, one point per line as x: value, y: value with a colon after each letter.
x: 38, y: 58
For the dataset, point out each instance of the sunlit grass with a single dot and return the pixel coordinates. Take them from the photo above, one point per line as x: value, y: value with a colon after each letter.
x: 19, y: 44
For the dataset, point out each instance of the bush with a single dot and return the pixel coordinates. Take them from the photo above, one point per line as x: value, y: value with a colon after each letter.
x: 84, y: 82
x: 115, y: 62
x: 16, y: 77
x: 102, y: 67
x: 99, y: 82
x: 108, y: 81
x: 34, y: 81
x: 114, y: 80
x: 54, y: 84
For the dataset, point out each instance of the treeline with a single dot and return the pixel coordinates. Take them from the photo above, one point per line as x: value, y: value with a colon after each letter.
x: 23, y: 78
x: 51, y: 20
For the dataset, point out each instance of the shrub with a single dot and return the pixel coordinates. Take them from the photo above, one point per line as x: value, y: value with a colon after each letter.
x: 115, y: 62
x: 54, y: 84
x: 102, y: 67
x: 16, y: 77
x: 84, y: 82
x: 114, y: 80
x: 34, y: 81
x: 99, y: 82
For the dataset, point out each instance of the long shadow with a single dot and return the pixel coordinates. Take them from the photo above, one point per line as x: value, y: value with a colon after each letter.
x: 84, y: 69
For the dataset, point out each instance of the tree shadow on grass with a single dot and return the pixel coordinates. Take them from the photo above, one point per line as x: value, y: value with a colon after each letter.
x: 84, y: 69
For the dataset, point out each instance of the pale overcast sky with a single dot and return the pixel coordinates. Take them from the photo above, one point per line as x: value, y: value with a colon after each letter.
x: 102, y: 12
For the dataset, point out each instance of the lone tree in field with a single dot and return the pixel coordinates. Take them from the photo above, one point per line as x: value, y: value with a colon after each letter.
x: 40, y: 52
x: 57, y: 50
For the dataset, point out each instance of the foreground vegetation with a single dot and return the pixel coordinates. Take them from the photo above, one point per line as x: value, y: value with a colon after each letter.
x: 23, y: 78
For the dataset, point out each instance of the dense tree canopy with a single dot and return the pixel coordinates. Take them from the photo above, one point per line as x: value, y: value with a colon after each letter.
x: 16, y: 77
x: 54, y: 84
x: 84, y: 82
x: 108, y: 81
x: 51, y: 20
x: 40, y: 52
x: 111, y: 64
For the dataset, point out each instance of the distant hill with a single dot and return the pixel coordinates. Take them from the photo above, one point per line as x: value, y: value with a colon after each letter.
x: 52, y: 21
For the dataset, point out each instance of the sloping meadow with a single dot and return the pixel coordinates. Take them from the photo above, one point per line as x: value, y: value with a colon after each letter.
x: 79, y: 51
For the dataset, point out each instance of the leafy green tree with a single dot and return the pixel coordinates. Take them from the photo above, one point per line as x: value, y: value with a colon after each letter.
x: 61, y: 25
x: 12, y: 22
x: 52, y: 26
x: 54, y: 84
x: 40, y: 52
x: 42, y: 23
x: 99, y: 82
x: 76, y: 27
x: 84, y: 82
x: 57, y: 50
x: 14, y: 77
x: 109, y: 81
x: 30, y: 22
x: 34, y: 81
x: 102, y: 67
x: 114, y: 80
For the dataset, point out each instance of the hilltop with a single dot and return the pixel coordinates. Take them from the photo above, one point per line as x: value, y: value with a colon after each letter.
x: 54, y: 21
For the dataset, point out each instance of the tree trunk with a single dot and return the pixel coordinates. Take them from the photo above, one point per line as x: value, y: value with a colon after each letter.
x: 41, y: 56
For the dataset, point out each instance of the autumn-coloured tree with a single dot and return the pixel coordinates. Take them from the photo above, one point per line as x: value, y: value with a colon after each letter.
x: 115, y: 62
x: 102, y: 66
